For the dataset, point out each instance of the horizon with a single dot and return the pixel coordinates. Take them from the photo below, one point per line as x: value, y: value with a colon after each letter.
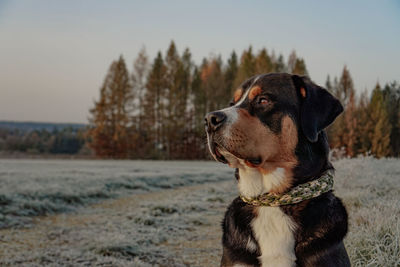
x: 41, y: 122
x: 63, y: 50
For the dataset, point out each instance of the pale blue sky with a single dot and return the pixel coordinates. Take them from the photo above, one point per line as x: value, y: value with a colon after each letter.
x: 54, y: 54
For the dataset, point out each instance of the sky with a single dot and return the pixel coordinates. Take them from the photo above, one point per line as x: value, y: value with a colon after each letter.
x: 54, y: 54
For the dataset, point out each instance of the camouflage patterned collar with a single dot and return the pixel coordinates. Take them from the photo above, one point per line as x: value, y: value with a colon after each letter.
x: 297, y: 194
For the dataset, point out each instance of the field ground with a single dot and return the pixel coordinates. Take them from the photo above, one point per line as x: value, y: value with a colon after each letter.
x: 107, y: 219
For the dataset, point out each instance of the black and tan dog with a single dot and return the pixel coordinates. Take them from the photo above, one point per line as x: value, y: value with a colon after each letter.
x: 273, y: 135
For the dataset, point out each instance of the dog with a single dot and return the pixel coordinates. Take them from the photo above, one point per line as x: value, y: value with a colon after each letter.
x: 273, y: 135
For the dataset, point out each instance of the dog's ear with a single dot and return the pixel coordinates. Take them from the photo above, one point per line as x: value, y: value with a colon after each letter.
x: 318, y: 108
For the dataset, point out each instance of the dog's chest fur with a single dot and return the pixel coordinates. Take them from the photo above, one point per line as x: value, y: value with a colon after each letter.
x: 271, y: 227
x: 273, y: 231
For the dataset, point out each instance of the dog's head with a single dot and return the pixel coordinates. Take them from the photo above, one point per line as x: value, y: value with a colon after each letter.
x: 274, y: 121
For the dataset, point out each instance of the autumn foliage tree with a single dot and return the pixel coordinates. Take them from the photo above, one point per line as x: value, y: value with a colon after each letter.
x: 111, y: 132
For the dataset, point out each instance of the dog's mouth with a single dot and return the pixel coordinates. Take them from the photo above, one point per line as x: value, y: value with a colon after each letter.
x: 218, y: 155
x: 232, y: 158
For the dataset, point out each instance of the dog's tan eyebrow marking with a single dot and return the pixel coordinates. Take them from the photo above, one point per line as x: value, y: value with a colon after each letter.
x: 243, y: 96
x: 255, y: 91
x: 238, y: 94
x: 303, y: 92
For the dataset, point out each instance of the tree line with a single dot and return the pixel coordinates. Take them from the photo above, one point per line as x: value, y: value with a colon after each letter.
x: 67, y: 140
x: 370, y: 124
x: 156, y: 111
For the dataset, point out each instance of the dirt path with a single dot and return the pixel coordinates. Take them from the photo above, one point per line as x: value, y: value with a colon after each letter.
x: 177, y: 227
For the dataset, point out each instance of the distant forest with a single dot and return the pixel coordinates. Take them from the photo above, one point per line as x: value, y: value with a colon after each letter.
x: 157, y: 110
x: 42, y: 138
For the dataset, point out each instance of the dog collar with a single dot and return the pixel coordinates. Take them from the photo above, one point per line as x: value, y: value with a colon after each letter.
x: 297, y: 194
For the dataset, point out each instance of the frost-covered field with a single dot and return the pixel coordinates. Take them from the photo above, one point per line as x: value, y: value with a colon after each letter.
x: 41, y: 187
x: 143, y: 213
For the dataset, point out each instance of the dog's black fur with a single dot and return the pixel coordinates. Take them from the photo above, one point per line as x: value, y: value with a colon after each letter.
x: 322, y: 226
x: 322, y: 221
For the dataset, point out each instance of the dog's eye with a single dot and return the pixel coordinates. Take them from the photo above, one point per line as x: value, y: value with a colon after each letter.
x: 263, y: 101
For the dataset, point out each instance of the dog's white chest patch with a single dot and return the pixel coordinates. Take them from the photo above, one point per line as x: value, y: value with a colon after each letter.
x: 273, y: 230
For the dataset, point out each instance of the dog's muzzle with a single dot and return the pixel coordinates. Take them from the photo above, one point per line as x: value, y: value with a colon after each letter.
x: 214, y: 120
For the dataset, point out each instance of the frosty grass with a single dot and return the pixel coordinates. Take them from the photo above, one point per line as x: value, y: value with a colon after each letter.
x: 144, y: 213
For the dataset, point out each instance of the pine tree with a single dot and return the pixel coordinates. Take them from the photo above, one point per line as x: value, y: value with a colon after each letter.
x: 263, y: 62
x: 199, y: 99
x: 330, y: 130
x: 111, y: 131
x: 363, y: 143
x: 391, y: 95
x: 154, y: 105
x: 199, y: 111
x: 280, y: 64
x: 213, y: 84
x: 338, y: 131
x: 230, y: 75
x: 300, y: 67
x: 292, y: 61
x: 187, y: 71
x: 273, y: 60
x: 335, y: 87
x: 139, y: 75
x: 350, y: 123
x: 345, y: 87
x: 185, y: 111
x: 328, y: 84
x: 247, y: 67
x: 176, y: 100
x: 379, y: 126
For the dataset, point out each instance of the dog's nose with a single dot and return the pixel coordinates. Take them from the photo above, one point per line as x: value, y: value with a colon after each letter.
x: 214, y: 120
